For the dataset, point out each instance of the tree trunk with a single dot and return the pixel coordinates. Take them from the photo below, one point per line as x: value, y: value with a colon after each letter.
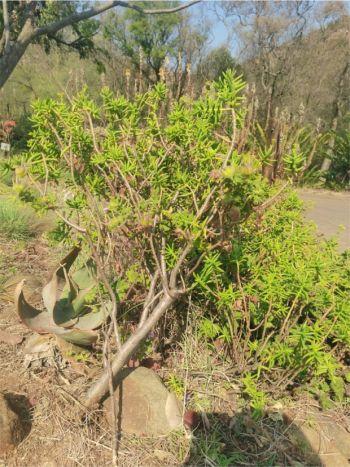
x: 9, y: 60
x: 100, y: 388
x: 327, y: 161
x: 326, y: 164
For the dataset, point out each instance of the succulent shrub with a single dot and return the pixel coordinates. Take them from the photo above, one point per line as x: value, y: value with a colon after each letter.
x: 170, y: 201
x: 153, y: 188
x: 338, y: 175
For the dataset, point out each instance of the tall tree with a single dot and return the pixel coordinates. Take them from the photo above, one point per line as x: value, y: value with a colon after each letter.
x: 270, y: 33
x: 216, y: 62
x: 294, y: 52
x: 151, y: 41
x: 145, y: 40
x: 24, y: 22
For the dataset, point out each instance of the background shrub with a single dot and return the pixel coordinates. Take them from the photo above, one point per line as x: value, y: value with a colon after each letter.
x: 338, y: 176
x: 17, y: 222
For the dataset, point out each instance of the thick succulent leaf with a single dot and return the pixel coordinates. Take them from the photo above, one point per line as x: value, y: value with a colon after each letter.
x: 53, y: 290
x: 68, y: 349
x: 79, y: 303
x: 78, y: 336
x: 39, y: 321
x: 85, y: 277
x: 94, y: 319
x: 71, y: 304
x: 67, y: 311
x: 42, y: 322
x: 64, y: 314
x: 36, y: 344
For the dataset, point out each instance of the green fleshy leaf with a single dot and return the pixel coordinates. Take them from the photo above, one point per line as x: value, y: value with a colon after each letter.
x: 94, y: 319
x: 53, y: 290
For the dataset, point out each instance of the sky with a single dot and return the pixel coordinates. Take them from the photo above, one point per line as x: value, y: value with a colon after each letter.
x: 219, y: 33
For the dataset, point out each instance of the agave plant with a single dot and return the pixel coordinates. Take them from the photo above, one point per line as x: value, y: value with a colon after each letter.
x: 66, y: 297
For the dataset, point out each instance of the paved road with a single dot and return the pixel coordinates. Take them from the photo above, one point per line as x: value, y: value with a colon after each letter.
x: 329, y: 210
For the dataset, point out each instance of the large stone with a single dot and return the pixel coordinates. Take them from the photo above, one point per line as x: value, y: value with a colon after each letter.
x: 324, y: 441
x: 144, y: 406
x: 11, y: 428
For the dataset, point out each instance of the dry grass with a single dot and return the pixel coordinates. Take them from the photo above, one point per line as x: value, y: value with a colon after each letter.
x: 60, y: 432
x: 17, y: 222
x: 228, y: 433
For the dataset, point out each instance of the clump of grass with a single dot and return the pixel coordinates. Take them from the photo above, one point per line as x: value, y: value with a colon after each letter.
x: 17, y: 222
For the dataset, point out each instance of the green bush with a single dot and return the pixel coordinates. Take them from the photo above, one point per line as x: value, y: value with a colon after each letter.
x: 283, y: 298
x: 17, y: 222
x: 145, y: 179
x: 338, y: 176
x: 169, y: 208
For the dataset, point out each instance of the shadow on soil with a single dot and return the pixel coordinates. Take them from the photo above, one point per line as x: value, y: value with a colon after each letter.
x: 21, y: 406
x: 221, y: 440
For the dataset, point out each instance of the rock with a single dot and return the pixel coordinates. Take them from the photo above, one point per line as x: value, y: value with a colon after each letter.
x: 143, y: 404
x: 72, y: 352
x: 77, y: 357
x: 11, y: 429
x: 324, y: 441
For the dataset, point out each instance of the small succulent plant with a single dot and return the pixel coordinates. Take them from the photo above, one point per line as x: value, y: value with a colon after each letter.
x: 68, y: 314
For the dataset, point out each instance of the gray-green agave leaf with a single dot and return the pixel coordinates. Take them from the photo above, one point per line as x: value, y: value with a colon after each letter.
x: 67, y: 313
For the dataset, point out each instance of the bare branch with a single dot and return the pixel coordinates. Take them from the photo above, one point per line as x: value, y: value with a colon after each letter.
x: 106, y: 283
x: 163, y: 11
x: 26, y: 34
x: 100, y: 387
x: 162, y: 258
x: 149, y: 299
x: 175, y: 272
x: 52, y: 28
x: 163, y: 276
x: 233, y: 140
x: 107, y: 362
x: 271, y: 200
x: 71, y: 224
x: 2, y: 42
x: 6, y: 25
